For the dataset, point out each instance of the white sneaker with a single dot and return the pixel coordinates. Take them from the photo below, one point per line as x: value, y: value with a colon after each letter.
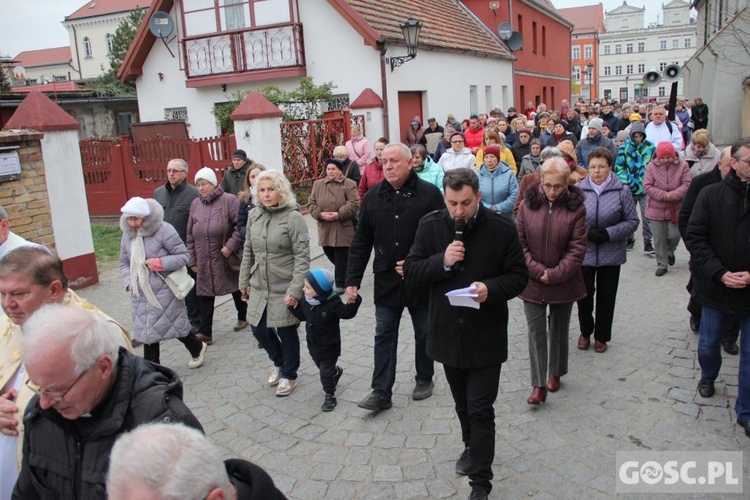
x: 285, y: 387
x: 198, y: 362
x: 274, y: 376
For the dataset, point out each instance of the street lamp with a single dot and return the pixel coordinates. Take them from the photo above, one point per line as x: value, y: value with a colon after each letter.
x: 410, y: 29
x: 589, y: 71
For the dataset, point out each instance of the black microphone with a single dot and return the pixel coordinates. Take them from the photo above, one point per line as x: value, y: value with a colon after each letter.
x: 459, y: 226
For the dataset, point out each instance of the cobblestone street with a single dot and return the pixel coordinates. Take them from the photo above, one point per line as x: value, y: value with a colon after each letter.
x: 639, y: 395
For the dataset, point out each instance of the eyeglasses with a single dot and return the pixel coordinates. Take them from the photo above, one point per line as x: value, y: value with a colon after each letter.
x: 744, y: 160
x: 457, y: 142
x: 175, y: 171
x: 552, y: 187
x: 56, y: 396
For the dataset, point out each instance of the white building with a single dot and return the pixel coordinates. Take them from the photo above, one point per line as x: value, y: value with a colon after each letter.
x: 460, y: 65
x: 41, y: 67
x: 627, y: 50
x: 718, y: 72
x: 91, y: 29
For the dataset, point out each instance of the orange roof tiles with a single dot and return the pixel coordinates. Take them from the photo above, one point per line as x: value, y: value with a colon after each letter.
x: 446, y: 25
x: 43, y: 57
x: 587, y: 19
x: 50, y: 87
x: 96, y: 8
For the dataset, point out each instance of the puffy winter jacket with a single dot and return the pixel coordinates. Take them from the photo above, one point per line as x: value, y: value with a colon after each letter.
x: 499, y: 188
x: 665, y: 178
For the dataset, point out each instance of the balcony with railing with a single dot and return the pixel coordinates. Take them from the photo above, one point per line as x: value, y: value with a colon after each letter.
x: 244, y: 55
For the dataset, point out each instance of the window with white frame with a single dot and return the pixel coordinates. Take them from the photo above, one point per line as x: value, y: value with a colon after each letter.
x: 641, y: 46
x: 588, y: 51
x: 576, y: 74
x: 618, y: 70
x: 675, y: 44
x: 109, y: 39
x: 663, y: 44
x: 618, y: 48
x: 629, y: 69
x: 662, y: 91
x: 662, y: 66
x: 606, y: 50
x: 607, y: 70
x: 87, y: 47
x: 688, y: 43
x: 576, y: 53
x: 607, y: 93
x: 629, y: 48
x: 641, y: 68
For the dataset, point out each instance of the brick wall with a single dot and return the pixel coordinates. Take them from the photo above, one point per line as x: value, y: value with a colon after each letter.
x: 26, y: 199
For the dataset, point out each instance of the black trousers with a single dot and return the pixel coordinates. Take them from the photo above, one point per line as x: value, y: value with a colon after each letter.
x: 206, y: 312
x: 191, y: 302
x: 601, y: 288
x: 732, y: 332
x: 474, y: 392
x: 327, y: 369
x: 191, y: 342
x: 339, y: 257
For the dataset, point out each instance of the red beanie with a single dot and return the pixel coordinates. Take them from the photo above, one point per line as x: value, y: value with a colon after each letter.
x: 665, y: 150
x: 492, y: 150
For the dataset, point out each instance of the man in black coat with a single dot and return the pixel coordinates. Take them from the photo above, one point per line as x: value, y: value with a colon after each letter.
x: 174, y: 461
x: 729, y: 341
x: 89, y: 391
x: 389, y: 217
x: 471, y: 343
x: 718, y: 236
x: 175, y: 197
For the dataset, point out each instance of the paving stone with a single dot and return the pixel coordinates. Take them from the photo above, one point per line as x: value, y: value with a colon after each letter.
x: 388, y: 473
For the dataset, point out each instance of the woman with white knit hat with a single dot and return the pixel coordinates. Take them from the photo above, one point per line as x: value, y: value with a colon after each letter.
x: 150, y: 247
x: 213, y: 241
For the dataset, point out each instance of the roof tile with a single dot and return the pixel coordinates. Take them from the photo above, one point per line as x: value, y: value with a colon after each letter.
x: 38, y: 112
x: 586, y: 19
x: 43, y: 57
x: 96, y: 8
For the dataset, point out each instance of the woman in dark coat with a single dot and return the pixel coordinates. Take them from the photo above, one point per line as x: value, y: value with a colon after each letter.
x: 212, y: 238
x: 552, y: 227
x: 151, y: 249
x: 611, y: 218
x: 246, y: 196
x: 333, y: 203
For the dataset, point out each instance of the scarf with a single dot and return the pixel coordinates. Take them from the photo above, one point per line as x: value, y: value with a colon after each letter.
x: 700, y: 154
x: 139, y: 273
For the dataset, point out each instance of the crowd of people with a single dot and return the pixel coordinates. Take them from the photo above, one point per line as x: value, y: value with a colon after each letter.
x: 539, y: 205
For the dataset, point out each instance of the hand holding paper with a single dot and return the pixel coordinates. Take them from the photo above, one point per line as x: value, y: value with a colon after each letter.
x: 464, y: 297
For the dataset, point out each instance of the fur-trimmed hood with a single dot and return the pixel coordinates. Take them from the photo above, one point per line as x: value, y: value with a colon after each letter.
x: 150, y: 223
x: 572, y: 199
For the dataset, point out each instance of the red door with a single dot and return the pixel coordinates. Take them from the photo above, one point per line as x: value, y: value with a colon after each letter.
x: 409, y: 106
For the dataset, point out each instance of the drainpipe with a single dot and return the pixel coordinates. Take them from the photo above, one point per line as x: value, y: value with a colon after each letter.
x: 513, y: 73
x: 78, y: 55
x: 383, y: 45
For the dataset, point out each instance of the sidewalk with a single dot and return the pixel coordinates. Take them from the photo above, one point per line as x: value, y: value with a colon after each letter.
x: 639, y: 395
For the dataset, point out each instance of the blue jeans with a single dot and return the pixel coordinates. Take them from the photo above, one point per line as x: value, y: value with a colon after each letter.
x: 387, y: 321
x: 281, y: 344
x: 712, y: 329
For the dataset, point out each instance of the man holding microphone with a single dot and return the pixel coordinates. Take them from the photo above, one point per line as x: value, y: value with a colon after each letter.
x: 467, y: 245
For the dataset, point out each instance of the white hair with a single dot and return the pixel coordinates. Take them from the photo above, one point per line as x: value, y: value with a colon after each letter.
x: 555, y: 166
x: 174, y: 461
x: 282, y: 185
x: 405, y: 151
x: 84, y: 333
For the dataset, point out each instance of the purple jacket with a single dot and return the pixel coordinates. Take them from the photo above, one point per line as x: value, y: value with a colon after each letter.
x: 665, y: 179
x: 613, y: 210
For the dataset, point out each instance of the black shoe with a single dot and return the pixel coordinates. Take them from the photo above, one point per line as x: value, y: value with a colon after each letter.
x: 206, y: 339
x: 329, y: 403
x: 463, y: 464
x: 695, y: 324
x: 337, y: 376
x: 648, y: 248
x: 661, y: 271
x: 671, y: 259
x: 477, y: 494
x: 730, y: 347
x: 422, y: 390
x: 706, y: 388
x: 375, y: 402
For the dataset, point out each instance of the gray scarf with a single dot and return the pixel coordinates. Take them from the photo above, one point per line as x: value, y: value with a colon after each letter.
x: 139, y: 273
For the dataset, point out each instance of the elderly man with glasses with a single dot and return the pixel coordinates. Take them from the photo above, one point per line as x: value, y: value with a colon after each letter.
x: 89, y: 390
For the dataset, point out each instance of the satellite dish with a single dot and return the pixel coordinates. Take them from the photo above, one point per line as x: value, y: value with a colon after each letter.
x: 505, y: 30
x: 515, y: 42
x: 161, y: 25
x: 19, y: 73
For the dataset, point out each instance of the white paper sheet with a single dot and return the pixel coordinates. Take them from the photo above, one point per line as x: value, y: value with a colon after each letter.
x: 463, y: 297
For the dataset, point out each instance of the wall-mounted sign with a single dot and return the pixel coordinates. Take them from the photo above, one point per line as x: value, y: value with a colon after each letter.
x: 10, y: 165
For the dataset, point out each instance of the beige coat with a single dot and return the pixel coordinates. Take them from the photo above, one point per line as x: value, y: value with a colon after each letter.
x: 11, y: 355
x: 334, y: 196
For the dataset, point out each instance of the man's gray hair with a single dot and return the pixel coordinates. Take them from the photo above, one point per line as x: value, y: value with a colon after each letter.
x: 84, y: 333
x: 555, y: 166
x: 182, y: 163
x: 174, y: 461
x: 550, y: 152
x: 405, y: 151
